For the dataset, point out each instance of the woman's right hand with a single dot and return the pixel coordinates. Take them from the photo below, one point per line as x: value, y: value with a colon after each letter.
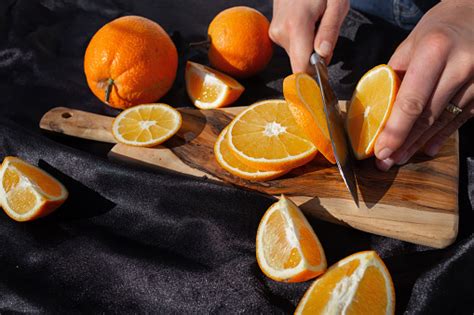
x: 293, y: 27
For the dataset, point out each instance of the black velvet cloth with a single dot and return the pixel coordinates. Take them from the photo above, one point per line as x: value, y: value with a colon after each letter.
x: 135, y: 240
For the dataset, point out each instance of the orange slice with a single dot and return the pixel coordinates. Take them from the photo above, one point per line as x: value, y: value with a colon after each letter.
x: 234, y: 166
x: 265, y: 136
x: 146, y: 125
x: 358, y: 284
x: 287, y: 247
x: 304, y: 99
x: 370, y: 108
x: 208, y: 88
x: 27, y: 192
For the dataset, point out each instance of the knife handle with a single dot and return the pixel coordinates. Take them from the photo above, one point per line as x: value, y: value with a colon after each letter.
x: 78, y: 124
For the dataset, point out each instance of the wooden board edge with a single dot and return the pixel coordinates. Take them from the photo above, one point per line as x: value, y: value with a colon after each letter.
x: 439, y: 230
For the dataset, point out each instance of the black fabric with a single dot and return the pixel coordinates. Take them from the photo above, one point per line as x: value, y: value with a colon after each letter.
x: 134, y: 240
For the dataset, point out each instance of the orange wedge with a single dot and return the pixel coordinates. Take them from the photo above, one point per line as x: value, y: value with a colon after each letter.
x: 234, y: 166
x: 358, y: 284
x: 27, y: 192
x: 370, y: 108
x: 287, y: 247
x: 146, y: 125
x: 265, y: 136
x: 304, y: 99
x: 208, y: 88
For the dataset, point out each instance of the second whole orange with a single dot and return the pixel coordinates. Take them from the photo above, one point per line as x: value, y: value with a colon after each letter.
x: 239, y: 42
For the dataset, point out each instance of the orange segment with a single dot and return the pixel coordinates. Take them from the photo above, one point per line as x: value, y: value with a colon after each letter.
x: 233, y: 165
x: 146, y: 125
x: 305, y: 102
x: 208, y: 88
x: 287, y: 247
x: 358, y: 284
x: 27, y: 192
x: 370, y: 108
x: 265, y: 136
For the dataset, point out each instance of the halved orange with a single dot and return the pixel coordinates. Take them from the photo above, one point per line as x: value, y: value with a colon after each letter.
x: 358, y: 284
x: 27, y: 192
x: 234, y: 166
x: 265, y: 136
x: 208, y: 88
x: 370, y: 107
x: 287, y: 247
x: 146, y: 125
x: 304, y: 99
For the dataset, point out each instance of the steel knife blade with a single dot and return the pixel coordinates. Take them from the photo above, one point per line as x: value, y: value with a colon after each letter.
x: 337, y: 132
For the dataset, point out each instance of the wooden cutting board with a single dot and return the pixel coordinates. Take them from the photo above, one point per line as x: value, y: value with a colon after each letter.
x: 416, y: 202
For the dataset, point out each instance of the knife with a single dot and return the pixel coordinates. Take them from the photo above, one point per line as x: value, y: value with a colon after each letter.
x: 337, y: 132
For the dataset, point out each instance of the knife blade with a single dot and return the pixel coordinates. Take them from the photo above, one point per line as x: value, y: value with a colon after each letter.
x: 337, y: 132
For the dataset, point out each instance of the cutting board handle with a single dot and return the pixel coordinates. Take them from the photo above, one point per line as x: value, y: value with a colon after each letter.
x: 79, y: 124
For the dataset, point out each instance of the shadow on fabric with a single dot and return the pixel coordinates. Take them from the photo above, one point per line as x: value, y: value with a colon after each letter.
x: 82, y: 202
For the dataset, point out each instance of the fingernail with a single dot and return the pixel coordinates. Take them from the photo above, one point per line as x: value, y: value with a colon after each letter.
x: 325, y: 49
x: 404, y: 159
x: 433, y: 149
x: 384, y: 154
x: 385, y: 165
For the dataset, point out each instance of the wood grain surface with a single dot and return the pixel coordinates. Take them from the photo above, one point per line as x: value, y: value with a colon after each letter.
x: 416, y: 202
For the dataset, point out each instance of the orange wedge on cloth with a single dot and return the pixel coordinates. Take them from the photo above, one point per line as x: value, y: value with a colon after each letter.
x: 287, y: 247
x: 27, y: 192
x: 208, y: 88
x: 358, y: 284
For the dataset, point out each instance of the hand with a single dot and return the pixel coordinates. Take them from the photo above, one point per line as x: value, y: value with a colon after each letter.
x: 293, y: 27
x: 437, y: 66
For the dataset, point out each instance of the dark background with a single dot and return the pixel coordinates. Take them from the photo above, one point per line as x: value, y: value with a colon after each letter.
x: 137, y: 240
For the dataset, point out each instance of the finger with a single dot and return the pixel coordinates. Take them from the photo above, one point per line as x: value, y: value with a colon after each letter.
x: 417, y: 86
x: 462, y: 99
x: 301, y: 46
x: 450, y: 82
x: 328, y: 30
x: 435, y: 143
x: 401, y: 58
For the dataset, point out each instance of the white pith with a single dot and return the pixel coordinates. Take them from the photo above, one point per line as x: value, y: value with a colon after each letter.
x: 292, y: 237
x: 274, y: 129
x: 147, y: 124
x: 264, y: 160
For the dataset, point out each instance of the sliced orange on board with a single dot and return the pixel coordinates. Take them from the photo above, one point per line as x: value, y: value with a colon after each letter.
x: 146, y: 125
x: 27, y: 192
x: 234, y: 166
x: 358, y: 284
x: 370, y: 108
x: 304, y: 99
x: 265, y: 136
x: 287, y: 247
x: 208, y: 88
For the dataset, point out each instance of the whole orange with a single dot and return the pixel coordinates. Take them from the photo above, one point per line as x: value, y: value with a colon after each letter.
x: 130, y: 61
x: 239, y: 42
